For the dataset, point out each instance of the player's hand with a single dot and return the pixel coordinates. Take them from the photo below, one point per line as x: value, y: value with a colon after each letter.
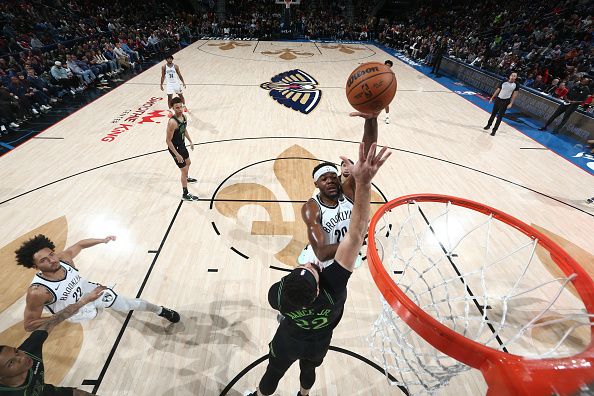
x: 192, y: 146
x: 509, y: 106
x: 367, y: 116
x: 93, y: 295
x: 491, y: 100
x: 179, y: 158
x: 367, y: 166
x: 109, y: 238
x: 162, y: 88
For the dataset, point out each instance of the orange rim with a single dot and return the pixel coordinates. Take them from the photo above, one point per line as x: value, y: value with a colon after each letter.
x: 491, y: 361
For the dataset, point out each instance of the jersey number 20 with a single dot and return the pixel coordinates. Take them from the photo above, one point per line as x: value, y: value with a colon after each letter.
x: 340, y: 233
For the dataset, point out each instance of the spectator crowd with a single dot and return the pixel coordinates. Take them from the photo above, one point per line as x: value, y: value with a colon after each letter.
x: 51, y: 50
x: 549, y: 44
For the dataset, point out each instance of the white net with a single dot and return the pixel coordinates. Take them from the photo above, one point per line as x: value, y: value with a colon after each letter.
x: 481, y: 278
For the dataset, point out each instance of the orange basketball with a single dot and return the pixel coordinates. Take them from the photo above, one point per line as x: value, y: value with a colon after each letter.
x: 371, y: 87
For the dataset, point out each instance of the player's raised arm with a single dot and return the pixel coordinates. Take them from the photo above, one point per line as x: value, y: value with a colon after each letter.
x: 69, y: 254
x: 363, y: 172
x: 369, y: 137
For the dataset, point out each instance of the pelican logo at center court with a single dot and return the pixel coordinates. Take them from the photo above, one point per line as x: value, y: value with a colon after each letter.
x: 294, y: 89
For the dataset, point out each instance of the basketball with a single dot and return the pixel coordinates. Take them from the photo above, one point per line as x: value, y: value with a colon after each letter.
x: 371, y: 87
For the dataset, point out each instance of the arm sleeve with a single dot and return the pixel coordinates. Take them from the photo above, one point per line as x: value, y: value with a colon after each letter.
x: 336, y: 277
x: 34, y: 343
x: 517, y: 88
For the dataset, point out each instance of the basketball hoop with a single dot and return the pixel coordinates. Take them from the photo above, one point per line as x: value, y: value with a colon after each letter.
x: 466, y: 285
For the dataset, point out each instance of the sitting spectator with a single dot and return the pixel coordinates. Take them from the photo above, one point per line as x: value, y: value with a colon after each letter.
x: 23, y: 95
x: 64, y: 77
x: 538, y: 83
x: 43, y: 85
x: 80, y: 69
x: 134, y: 57
x: 553, y: 87
x: 561, y: 91
x: 99, y: 58
x: 35, y: 42
x: 122, y: 58
x: 10, y: 111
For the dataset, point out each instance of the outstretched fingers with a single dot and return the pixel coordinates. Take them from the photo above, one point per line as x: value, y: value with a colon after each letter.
x: 371, y: 152
x: 382, y: 156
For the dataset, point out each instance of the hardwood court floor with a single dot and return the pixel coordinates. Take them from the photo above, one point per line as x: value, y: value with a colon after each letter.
x: 108, y: 172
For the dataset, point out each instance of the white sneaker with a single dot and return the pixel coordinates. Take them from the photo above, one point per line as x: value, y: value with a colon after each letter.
x: 14, y: 125
x: 34, y: 111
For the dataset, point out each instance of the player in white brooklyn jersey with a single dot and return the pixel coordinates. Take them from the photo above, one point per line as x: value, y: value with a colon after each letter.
x: 171, y: 75
x: 59, y: 284
x: 328, y: 214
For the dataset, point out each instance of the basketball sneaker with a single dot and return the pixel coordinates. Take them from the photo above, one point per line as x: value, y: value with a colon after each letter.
x: 191, y: 180
x: 190, y: 197
x: 487, y: 127
x: 169, y: 314
x: 590, y: 200
x: 387, y: 119
x: 250, y: 393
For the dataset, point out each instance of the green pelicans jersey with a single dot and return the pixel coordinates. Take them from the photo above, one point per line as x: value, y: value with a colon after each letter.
x: 326, y: 311
x: 34, y: 384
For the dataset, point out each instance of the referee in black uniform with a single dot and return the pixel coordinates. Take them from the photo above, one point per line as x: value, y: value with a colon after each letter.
x: 504, y: 96
x: 576, y: 95
x: 312, y: 300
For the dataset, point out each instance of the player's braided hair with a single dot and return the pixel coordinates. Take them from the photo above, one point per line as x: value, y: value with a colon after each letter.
x: 24, y: 254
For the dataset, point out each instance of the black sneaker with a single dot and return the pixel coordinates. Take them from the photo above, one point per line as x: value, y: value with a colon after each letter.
x: 493, y: 133
x: 169, y: 314
x: 190, y: 197
x: 191, y: 180
x: 542, y: 129
x: 487, y: 127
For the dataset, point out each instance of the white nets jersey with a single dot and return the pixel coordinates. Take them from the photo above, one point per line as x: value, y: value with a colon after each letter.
x: 172, y: 84
x: 334, y: 220
x: 171, y: 77
x: 69, y: 290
